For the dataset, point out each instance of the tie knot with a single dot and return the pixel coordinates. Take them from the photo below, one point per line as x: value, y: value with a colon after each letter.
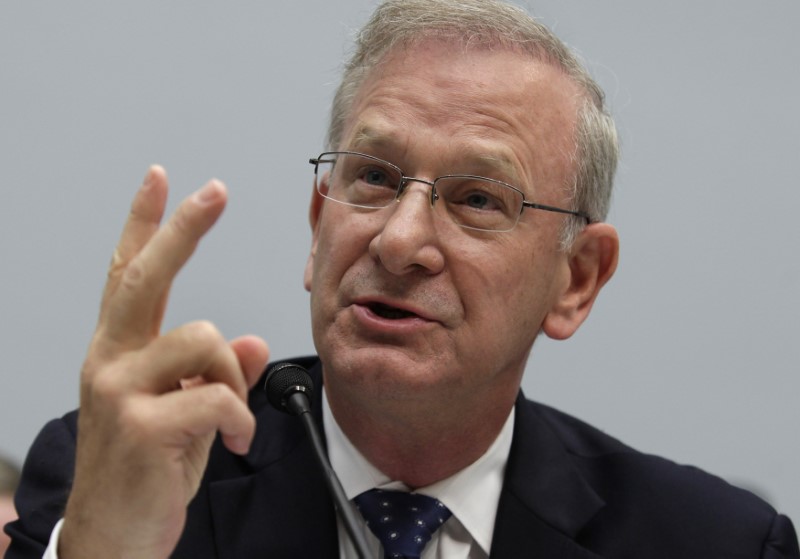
x: 403, y: 522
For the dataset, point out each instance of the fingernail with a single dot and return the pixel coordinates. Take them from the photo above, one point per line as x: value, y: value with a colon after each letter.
x: 211, y: 192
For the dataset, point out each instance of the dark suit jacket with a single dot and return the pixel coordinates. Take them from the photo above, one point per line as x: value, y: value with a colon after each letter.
x: 570, y: 492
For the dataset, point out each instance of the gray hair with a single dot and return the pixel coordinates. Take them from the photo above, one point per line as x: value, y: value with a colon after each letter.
x: 492, y: 23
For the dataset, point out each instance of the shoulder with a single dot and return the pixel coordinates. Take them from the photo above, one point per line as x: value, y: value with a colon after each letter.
x: 615, y: 469
x: 651, y: 498
x: 618, y: 472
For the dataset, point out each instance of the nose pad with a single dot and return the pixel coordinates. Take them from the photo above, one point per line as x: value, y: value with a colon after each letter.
x: 401, y: 188
x: 434, y: 195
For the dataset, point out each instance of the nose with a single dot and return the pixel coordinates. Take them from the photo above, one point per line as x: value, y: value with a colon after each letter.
x: 409, y: 240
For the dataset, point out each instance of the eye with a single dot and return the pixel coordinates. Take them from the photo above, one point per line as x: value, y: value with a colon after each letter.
x: 480, y: 201
x: 476, y: 195
x: 375, y: 176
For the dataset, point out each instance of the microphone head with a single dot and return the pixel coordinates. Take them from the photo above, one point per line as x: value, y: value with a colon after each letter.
x: 285, y: 379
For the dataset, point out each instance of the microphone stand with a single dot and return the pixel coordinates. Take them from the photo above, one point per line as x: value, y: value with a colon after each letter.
x: 298, y: 405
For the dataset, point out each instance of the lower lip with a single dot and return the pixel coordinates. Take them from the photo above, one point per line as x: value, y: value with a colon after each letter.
x: 375, y: 322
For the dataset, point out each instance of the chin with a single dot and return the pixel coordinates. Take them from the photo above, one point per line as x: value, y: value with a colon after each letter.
x: 385, y: 372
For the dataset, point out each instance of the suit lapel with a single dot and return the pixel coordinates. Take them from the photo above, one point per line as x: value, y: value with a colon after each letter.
x: 545, y: 501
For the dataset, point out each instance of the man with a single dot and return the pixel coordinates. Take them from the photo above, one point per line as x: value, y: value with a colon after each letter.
x: 457, y: 214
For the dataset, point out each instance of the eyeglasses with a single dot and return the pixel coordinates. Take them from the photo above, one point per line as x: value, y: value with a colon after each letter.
x: 470, y: 201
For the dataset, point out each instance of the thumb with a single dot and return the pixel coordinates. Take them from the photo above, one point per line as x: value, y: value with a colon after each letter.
x: 253, y: 355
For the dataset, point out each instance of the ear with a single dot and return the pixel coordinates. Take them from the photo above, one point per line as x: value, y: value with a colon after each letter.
x: 591, y: 262
x: 314, y: 214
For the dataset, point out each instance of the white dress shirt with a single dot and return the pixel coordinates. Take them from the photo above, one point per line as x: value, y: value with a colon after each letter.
x: 471, y: 495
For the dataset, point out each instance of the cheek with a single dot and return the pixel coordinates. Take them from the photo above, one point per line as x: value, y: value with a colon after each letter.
x: 342, y: 240
x: 509, y: 297
x: 500, y: 298
x: 332, y: 245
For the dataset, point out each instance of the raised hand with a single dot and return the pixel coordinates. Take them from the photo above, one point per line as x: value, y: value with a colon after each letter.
x: 151, y: 403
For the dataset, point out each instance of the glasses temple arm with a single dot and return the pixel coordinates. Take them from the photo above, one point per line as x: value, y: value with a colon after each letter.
x: 547, y: 208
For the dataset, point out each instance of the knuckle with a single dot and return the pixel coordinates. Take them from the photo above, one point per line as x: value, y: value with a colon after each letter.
x: 136, y: 422
x: 134, y: 275
x: 117, y: 265
x: 204, y: 333
x: 217, y: 396
x: 105, y: 384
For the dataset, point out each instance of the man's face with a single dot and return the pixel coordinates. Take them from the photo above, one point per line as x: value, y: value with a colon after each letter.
x: 471, y: 303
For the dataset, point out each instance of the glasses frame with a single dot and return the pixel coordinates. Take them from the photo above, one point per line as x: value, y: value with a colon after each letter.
x: 325, y: 157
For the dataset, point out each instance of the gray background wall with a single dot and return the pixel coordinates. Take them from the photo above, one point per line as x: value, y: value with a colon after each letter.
x: 692, y: 350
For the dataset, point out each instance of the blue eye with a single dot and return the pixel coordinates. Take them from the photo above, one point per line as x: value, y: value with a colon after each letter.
x: 478, y: 201
x: 375, y: 177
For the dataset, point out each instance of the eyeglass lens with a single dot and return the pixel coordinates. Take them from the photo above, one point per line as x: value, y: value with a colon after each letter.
x: 469, y: 201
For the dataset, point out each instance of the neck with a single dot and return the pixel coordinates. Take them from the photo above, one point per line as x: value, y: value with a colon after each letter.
x: 419, y: 443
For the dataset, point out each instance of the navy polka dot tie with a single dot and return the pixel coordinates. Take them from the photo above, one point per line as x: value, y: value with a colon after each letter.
x: 403, y: 522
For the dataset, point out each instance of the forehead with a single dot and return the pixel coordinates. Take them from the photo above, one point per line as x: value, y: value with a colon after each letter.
x: 456, y: 105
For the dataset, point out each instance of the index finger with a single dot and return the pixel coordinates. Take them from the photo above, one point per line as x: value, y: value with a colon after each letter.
x: 132, y: 313
x: 144, y: 217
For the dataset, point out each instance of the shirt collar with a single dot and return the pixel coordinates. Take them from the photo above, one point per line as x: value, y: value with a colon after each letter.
x: 471, y: 494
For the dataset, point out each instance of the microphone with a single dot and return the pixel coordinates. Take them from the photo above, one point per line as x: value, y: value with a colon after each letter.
x: 289, y: 389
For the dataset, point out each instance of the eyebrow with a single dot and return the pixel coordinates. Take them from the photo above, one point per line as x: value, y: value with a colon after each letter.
x: 366, y: 136
x: 502, y: 163
x: 369, y: 136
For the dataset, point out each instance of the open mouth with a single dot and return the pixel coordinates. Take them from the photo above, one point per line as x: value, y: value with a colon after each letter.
x: 392, y: 313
